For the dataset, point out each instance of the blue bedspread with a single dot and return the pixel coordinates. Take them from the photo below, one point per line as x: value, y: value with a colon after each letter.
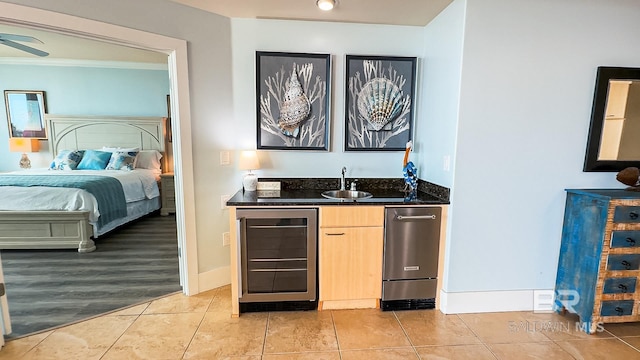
x: 107, y: 190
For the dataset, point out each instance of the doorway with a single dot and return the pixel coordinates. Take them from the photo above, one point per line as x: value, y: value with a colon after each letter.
x: 176, y: 50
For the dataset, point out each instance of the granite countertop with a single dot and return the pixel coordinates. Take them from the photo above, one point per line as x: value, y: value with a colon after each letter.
x: 309, y: 192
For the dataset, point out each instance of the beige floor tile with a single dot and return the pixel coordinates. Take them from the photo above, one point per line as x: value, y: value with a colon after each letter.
x: 221, y: 302
x: 624, y: 329
x: 457, y: 352
x: 431, y: 327
x: 15, y: 349
x: 506, y: 327
x: 632, y: 340
x: 380, y: 354
x: 331, y: 355
x: 131, y: 311
x: 85, y: 340
x: 159, y: 336
x: 221, y: 337
x: 539, y: 350
x: 241, y: 357
x: 300, y: 331
x: 599, y: 349
x: 561, y: 327
x: 368, y: 328
x: 180, y: 303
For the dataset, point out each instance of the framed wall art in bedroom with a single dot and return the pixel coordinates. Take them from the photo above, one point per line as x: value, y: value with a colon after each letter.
x: 25, y: 113
x: 379, y: 102
x: 292, y: 100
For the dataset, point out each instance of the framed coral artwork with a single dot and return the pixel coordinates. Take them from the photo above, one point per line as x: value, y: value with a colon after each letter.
x: 292, y: 95
x: 379, y: 101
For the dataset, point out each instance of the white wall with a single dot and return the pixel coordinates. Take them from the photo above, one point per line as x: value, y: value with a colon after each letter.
x: 337, y: 39
x: 527, y: 85
x: 436, y: 132
x: 440, y: 95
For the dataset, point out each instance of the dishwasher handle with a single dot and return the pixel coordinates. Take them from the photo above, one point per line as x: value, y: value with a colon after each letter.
x: 415, y: 217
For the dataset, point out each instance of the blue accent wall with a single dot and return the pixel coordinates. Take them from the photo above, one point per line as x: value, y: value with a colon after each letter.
x: 82, y: 91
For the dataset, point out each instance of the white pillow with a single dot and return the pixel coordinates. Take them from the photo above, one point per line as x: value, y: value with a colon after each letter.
x: 148, y: 159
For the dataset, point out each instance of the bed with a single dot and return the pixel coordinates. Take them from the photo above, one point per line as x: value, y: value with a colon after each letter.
x: 52, y: 215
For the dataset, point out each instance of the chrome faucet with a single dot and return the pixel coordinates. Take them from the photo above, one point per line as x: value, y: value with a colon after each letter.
x: 342, y: 182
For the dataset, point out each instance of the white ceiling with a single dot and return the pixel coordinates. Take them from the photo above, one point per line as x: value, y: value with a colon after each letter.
x: 392, y: 12
x: 61, y: 46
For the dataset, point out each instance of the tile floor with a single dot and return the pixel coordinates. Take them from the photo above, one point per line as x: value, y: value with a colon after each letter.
x: 200, y: 327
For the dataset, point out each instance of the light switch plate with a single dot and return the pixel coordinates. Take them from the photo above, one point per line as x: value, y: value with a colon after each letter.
x: 224, y: 158
x: 268, y: 185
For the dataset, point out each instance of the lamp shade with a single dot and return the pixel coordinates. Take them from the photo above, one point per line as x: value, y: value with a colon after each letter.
x: 24, y: 145
x: 249, y: 160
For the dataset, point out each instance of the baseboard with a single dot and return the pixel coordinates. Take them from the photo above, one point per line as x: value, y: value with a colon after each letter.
x: 487, y: 301
x: 214, y: 278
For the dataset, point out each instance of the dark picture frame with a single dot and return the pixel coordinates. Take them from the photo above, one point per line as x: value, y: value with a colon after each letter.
x: 25, y: 113
x: 293, y: 115
x: 597, y: 156
x: 379, y: 102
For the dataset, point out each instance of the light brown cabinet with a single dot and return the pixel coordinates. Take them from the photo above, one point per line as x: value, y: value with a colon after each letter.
x: 350, y: 256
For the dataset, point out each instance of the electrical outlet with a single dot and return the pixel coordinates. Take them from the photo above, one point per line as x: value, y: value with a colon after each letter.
x: 223, y: 201
x: 225, y: 239
x: 268, y: 185
x: 224, y: 158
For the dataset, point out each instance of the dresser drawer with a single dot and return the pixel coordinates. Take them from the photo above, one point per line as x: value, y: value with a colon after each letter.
x: 625, y: 238
x: 616, y: 308
x: 627, y: 214
x: 623, y: 262
x: 619, y: 285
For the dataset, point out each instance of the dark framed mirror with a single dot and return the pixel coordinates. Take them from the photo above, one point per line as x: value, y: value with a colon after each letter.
x: 614, y: 134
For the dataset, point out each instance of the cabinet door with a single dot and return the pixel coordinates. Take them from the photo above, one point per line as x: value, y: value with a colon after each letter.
x: 350, y: 263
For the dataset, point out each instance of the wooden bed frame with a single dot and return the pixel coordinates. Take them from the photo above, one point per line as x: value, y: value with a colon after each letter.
x: 71, y: 229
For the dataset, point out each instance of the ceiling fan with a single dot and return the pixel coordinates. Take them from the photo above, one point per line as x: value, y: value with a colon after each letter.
x: 10, y: 40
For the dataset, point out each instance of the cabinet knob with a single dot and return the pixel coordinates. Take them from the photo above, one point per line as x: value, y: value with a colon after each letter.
x: 622, y: 287
x: 631, y: 241
x: 633, y: 215
x: 619, y: 310
x: 626, y: 264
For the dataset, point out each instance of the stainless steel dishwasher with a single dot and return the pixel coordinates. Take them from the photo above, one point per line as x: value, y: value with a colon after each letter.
x: 411, y: 248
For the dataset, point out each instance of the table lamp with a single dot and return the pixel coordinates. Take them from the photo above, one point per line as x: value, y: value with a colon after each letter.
x: 249, y: 161
x: 24, y: 145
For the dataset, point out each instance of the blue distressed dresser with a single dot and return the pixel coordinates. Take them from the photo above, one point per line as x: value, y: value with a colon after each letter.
x: 599, y: 265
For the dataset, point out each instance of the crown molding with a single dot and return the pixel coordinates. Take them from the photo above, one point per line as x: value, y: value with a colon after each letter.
x: 83, y: 63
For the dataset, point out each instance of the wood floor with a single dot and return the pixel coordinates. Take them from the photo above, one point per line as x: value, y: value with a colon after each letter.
x: 49, y: 288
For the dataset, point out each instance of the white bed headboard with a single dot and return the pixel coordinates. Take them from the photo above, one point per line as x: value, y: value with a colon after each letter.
x: 94, y: 132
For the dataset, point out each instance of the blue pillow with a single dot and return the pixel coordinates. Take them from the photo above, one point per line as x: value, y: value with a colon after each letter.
x: 67, y: 160
x: 94, y: 160
x: 122, y: 160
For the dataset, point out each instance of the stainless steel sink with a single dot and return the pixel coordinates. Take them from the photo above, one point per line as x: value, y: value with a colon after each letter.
x: 346, y: 194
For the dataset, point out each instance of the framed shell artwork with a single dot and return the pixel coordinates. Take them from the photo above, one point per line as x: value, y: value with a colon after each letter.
x: 292, y: 91
x: 379, y: 101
